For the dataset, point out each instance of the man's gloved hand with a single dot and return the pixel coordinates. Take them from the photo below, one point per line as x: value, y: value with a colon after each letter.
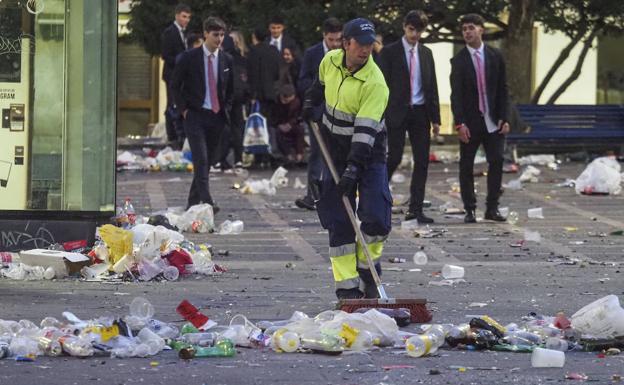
x: 347, y: 182
x: 307, y: 112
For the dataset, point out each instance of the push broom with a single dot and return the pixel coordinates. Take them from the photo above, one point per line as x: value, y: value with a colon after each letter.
x: 417, y: 307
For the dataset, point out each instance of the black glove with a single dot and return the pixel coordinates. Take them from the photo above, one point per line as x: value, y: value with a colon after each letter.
x: 307, y: 112
x: 346, y: 185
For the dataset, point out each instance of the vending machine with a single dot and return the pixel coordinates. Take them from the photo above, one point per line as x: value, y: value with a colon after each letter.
x: 15, y: 89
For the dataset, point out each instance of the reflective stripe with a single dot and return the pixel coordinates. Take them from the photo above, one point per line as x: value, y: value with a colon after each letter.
x: 339, y: 251
x: 338, y: 130
x: 363, y: 138
x: 348, y: 284
x: 344, y: 266
x: 339, y: 114
x: 375, y: 248
x: 366, y: 122
x: 374, y: 238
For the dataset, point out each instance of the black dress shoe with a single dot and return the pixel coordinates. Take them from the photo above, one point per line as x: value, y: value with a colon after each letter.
x: 305, y: 203
x: 470, y: 216
x: 349, y: 294
x: 494, y: 215
x: 419, y: 216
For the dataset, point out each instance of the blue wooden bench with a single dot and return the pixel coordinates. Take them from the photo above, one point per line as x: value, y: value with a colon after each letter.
x: 569, y: 125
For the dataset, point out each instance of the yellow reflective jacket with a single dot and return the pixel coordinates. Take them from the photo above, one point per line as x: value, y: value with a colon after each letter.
x: 354, y: 108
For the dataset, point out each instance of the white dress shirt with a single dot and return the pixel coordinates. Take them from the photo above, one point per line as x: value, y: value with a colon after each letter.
x: 181, y: 32
x: 418, y: 96
x: 277, y: 43
x: 215, y: 66
x: 489, y: 123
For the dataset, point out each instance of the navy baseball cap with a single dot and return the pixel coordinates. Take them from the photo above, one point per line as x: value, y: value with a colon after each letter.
x: 362, y: 30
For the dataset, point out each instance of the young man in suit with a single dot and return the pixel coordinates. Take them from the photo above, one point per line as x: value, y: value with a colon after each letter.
x: 203, y: 87
x: 173, y: 43
x: 332, y: 39
x: 279, y: 39
x: 414, y: 106
x: 479, y: 100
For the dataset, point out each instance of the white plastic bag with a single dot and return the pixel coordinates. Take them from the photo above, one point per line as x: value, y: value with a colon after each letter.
x: 600, y: 176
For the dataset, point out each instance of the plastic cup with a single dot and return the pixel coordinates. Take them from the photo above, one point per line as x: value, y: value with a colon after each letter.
x: 504, y: 211
x: 535, y: 213
x: 93, y: 271
x: 148, y: 270
x: 452, y: 272
x: 547, y: 358
x: 141, y: 308
x: 420, y: 258
x: 237, y: 227
x: 171, y: 273
x: 513, y: 218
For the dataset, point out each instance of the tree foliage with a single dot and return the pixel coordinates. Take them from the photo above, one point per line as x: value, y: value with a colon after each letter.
x: 511, y: 20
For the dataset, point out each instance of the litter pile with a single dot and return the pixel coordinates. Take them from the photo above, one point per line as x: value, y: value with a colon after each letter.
x: 138, y: 249
x: 152, y: 160
x: 598, y: 326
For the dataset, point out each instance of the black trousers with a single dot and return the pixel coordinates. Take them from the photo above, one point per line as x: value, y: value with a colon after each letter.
x: 494, y: 145
x: 173, y: 119
x: 233, y: 136
x: 203, y: 130
x: 417, y: 126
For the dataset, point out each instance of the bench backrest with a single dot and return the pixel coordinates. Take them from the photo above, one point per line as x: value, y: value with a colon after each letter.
x: 571, y: 121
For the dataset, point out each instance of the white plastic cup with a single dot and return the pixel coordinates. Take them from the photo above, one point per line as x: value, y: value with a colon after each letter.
x: 420, y: 258
x: 237, y: 227
x: 171, y: 273
x: 547, y: 358
x: 535, y: 213
x: 504, y: 211
x: 452, y: 272
x: 148, y: 270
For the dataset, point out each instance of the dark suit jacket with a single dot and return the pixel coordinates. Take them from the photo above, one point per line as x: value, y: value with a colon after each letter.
x: 189, y: 84
x: 309, y: 73
x: 264, y: 72
x: 395, y: 68
x: 464, y: 93
x: 287, y: 42
x: 171, y: 46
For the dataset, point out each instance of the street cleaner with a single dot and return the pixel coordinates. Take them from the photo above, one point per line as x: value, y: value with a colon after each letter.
x: 355, y: 95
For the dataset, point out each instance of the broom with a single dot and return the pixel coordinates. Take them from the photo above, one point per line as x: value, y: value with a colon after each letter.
x: 417, y: 307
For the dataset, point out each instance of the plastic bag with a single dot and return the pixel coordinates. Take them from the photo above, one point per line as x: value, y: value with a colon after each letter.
x: 602, y: 176
x: 256, y: 136
x: 119, y: 241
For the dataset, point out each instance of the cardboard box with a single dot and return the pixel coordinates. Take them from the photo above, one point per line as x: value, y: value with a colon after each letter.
x: 62, y: 262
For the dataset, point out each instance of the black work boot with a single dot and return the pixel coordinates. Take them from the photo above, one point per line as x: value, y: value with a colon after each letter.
x: 354, y: 293
x: 366, y: 278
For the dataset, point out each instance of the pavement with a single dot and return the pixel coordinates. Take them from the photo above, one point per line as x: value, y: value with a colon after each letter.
x: 279, y: 264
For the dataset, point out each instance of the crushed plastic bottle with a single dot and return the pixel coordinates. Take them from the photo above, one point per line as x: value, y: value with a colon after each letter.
x: 223, y: 348
x: 420, y: 345
x: 320, y: 342
x: 286, y: 341
x: 231, y: 227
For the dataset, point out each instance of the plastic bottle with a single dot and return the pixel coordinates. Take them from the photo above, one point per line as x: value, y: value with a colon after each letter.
x: 365, y: 340
x: 459, y: 334
x: 75, y: 346
x: 420, y: 345
x: 554, y: 343
x: 128, y: 208
x: 200, y: 339
x: 322, y: 342
x: 163, y: 329
x: 223, y: 348
x: 50, y: 345
x: 513, y: 217
x: 284, y: 340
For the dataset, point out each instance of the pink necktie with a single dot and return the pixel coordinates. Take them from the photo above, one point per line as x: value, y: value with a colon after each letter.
x: 412, y: 70
x: 480, y: 82
x: 212, y: 85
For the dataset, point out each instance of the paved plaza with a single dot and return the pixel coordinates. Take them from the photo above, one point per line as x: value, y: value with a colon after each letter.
x: 280, y: 264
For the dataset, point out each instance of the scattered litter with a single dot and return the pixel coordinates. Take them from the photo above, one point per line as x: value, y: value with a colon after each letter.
x: 576, y: 376
x: 452, y: 272
x: 539, y: 159
x: 514, y: 184
x: 532, y: 236
x: 298, y: 184
x: 477, y: 304
x: 530, y: 175
x: 420, y: 258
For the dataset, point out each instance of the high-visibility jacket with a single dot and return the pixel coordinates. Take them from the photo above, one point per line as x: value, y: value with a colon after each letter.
x: 354, y: 108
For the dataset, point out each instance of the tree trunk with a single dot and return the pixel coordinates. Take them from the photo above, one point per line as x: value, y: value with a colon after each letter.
x: 563, y: 55
x: 518, y: 47
x: 577, y: 69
